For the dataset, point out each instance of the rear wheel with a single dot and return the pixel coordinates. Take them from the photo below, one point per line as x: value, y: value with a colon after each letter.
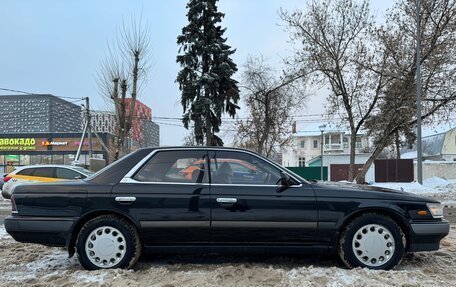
x: 372, y: 240
x: 108, y: 242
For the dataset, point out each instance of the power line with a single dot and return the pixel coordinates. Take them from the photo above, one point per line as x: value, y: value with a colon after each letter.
x: 15, y: 91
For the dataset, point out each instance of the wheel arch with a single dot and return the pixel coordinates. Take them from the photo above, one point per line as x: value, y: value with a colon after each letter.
x: 393, y: 214
x: 71, y: 242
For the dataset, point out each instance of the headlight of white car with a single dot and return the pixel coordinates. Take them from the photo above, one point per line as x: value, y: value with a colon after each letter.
x: 436, y: 209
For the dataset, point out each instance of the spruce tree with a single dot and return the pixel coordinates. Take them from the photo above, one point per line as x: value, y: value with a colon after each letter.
x: 205, y: 80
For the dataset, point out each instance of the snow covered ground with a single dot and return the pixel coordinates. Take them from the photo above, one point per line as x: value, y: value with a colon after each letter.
x: 35, y: 265
x: 437, y: 188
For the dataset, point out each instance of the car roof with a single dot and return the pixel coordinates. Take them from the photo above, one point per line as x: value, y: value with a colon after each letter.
x: 19, y: 168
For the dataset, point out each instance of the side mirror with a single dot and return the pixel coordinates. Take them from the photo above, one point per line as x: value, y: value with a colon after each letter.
x: 78, y: 177
x: 284, y: 181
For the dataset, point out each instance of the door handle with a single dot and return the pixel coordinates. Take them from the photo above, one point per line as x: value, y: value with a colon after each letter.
x: 125, y: 199
x: 226, y: 200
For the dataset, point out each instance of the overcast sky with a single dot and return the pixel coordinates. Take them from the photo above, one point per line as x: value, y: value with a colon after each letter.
x: 56, y: 46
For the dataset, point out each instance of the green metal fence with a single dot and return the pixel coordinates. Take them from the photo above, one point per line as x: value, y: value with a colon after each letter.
x: 311, y: 172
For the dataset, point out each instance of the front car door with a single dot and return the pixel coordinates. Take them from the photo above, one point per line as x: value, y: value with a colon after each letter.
x: 169, y: 196
x: 249, y: 206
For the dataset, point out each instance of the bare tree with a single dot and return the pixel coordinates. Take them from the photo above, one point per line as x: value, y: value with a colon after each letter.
x: 270, y: 101
x: 334, y: 49
x: 396, y: 110
x: 190, y: 140
x: 122, y: 72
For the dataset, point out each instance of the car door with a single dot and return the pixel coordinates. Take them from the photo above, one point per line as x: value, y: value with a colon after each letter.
x: 252, y: 208
x: 171, y: 205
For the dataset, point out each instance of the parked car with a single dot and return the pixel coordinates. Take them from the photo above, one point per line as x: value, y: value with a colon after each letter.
x: 144, y: 202
x: 2, y: 181
x: 41, y: 173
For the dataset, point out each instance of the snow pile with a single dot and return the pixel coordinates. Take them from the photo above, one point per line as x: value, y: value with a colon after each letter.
x: 3, y: 232
x: 436, y: 188
x: 413, y: 187
x: 435, y: 181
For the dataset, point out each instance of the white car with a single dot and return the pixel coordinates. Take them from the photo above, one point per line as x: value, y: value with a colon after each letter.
x: 41, y: 173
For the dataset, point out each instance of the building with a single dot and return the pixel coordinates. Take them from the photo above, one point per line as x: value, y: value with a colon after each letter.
x: 144, y: 132
x: 303, y: 149
x: 151, y: 133
x: 36, y: 113
x: 18, y: 149
x: 436, y: 147
x: 103, y: 121
x: 304, y: 145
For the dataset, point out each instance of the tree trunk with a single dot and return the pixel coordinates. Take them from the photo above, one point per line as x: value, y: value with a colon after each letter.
x: 208, y: 129
x: 361, y: 178
x: 397, y: 142
x: 351, y: 168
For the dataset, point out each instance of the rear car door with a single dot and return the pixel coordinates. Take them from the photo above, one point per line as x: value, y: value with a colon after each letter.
x: 249, y: 206
x: 169, y: 197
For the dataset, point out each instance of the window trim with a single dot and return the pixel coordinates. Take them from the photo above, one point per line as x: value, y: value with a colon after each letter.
x: 128, y: 177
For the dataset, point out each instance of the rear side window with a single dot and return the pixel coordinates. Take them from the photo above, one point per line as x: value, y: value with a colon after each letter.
x: 44, y: 172
x: 27, y: 171
x: 176, y: 167
x: 65, y: 173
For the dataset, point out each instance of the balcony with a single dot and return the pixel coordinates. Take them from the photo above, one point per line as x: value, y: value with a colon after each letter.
x: 333, y: 147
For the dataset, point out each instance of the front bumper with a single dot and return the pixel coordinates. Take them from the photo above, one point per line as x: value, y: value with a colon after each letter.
x: 40, y: 230
x: 426, y: 236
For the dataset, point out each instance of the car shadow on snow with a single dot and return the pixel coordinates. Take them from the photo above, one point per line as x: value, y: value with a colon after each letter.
x: 211, y: 260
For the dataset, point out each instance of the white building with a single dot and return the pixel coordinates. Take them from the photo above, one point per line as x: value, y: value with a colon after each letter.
x: 303, y: 149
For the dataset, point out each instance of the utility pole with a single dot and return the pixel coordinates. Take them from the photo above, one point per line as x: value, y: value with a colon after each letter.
x: 89, y: 127
x: 419, y: 148
x: 322, y: 129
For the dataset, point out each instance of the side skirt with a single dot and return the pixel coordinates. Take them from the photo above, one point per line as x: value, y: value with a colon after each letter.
x: 238, y: 249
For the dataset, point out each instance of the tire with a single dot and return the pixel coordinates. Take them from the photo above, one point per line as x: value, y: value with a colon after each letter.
x: 373, y: 241
x: 107, y: 242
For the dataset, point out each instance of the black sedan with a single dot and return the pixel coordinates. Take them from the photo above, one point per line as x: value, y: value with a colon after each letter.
x: 217, y: 200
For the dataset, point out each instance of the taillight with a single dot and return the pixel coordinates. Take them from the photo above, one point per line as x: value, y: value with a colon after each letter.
x: 13, y: 203
x: 7, y: 178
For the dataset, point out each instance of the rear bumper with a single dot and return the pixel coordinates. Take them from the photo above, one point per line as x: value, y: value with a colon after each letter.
x: 40, y: 230
x: 427, y: 236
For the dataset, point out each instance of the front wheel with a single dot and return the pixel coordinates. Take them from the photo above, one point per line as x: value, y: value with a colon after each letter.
x: 108, y: 242
x: 372, y: 240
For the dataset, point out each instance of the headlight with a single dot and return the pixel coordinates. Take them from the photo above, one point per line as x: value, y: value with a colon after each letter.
x: 436, y: 209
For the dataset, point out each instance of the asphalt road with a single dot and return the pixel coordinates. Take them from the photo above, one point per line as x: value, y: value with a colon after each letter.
x: 449, y: 214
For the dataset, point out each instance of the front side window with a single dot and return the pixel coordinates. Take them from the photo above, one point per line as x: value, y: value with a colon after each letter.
x: 228, y: 167
x: 175, y: 167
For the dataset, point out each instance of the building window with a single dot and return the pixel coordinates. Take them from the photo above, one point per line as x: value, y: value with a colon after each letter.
x: 358, y: 142
x: 303, y: 144
x: 326, y: 139
x: 302, y: 162
x: 345, y: 142
x: 315, y: 144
